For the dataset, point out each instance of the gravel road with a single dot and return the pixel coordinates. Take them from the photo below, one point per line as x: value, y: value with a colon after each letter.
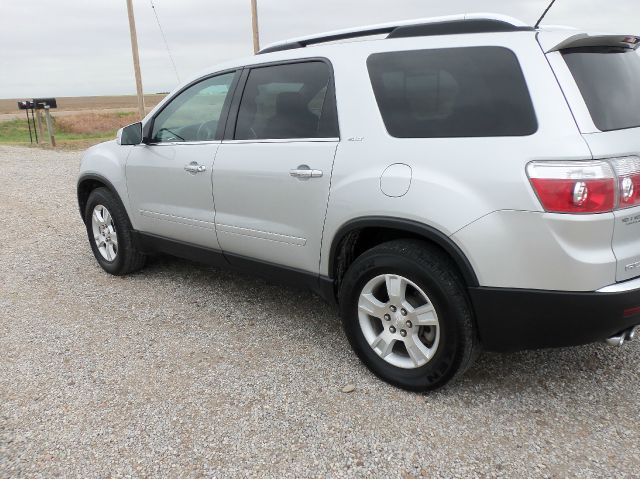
x: 187, y: 371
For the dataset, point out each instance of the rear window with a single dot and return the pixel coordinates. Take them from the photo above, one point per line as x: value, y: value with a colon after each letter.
x: 452, y: 92
x: 609, y: 80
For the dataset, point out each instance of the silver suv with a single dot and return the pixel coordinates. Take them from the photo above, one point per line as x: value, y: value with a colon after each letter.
x: 451, y: 183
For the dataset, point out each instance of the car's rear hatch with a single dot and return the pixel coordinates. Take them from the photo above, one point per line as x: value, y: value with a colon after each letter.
x: 600, y: 75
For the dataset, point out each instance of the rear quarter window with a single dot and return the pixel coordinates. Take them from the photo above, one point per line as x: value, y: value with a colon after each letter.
x: 452, y: 93
x: 609, y: 81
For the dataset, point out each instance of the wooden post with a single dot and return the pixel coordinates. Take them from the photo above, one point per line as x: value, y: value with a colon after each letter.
x: 39, y: 122
x: 254, y: 26
x: 52, y: 137
x: 136, y: 59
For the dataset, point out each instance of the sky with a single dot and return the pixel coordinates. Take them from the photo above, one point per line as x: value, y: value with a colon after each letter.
x: 82, y: 47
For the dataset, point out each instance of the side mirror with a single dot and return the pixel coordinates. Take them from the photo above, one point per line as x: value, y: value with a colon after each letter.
x: 130, y: 135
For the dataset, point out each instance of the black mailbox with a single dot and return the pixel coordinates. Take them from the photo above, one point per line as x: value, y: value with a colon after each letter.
x: 40, y: 103
x: 26, y: 105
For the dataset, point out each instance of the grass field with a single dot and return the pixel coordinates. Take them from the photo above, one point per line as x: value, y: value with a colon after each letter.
x: 80, y: 130
x: 78, y: 122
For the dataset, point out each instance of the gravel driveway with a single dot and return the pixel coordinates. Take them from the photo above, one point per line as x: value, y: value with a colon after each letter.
x: 187, y: 371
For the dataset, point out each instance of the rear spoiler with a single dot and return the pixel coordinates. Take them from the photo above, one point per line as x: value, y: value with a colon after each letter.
x: 581, y: 40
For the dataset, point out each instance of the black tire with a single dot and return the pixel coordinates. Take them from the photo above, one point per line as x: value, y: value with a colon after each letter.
x: 433, y: 272
x: 127, y: 259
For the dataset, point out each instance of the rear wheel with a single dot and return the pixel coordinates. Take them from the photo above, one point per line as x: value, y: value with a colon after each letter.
x: 110, y: 234
x: 406, y: 315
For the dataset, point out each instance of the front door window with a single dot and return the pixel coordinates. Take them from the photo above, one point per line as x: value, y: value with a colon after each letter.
x: 195, y: 114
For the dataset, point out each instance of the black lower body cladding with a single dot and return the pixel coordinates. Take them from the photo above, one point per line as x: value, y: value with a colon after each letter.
x: 519, y: 319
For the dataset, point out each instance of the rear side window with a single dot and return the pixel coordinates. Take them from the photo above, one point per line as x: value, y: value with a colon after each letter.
x: 290, y: 101
x: 452, y: 92
x: 609, y: 80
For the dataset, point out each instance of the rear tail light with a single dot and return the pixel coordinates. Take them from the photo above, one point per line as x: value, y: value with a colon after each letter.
x: 628, y: 172
x: 573, y: 187
x: 586, y: 186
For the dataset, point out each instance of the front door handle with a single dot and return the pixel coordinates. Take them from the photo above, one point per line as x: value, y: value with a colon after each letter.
x: 303, y: 172
x: 195, y: 168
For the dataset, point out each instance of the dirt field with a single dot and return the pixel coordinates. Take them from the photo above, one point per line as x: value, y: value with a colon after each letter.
x: 187, y: 371
x: 70, y: 105
x: 88, y: 103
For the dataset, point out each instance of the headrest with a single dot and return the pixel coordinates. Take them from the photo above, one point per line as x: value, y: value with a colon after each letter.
x: 290, y: 102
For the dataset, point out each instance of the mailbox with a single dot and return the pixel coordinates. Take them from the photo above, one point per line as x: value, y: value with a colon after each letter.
x: 26, y: 105
x: 40, y: 103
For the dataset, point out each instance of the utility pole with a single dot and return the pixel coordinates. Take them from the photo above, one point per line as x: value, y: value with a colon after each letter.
x: 136, y: 58
x: 254, y: 25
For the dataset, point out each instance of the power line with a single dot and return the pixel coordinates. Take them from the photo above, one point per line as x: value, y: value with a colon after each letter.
x: 164, y: 38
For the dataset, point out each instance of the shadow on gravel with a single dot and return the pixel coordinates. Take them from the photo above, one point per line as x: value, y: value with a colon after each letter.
x: 543, y: 373
x: 563, y: 375
x: 240, y: 285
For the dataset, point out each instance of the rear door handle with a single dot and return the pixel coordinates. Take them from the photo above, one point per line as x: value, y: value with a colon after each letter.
x: 303, y: 172
x: 194, y: 168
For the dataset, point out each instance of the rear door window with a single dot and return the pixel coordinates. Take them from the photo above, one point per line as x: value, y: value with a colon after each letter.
x: 290, y: 101
x: 452, y: 92
x: 609, y: 80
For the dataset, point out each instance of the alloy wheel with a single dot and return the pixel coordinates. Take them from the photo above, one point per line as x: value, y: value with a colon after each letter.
x: 399, y: 321
x: 104, y: 232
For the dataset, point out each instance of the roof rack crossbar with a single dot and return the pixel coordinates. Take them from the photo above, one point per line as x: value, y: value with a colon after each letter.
x: 457, y: 24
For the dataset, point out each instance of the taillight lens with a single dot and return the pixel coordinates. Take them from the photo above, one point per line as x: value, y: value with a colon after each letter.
x: 628, y: 172
x: 574, y: 187
x: 586, y: 186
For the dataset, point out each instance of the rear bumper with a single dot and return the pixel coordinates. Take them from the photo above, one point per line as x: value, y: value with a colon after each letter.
x: 518, y: 319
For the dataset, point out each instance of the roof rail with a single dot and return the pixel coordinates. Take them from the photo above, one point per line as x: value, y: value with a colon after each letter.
x: 448, y: 25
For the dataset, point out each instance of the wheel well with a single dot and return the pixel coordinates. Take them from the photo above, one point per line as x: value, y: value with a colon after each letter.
x: 357, y: 240
x: 85, y: 187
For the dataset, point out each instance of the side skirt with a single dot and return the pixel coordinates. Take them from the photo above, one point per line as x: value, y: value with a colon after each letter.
x: 321, y: 285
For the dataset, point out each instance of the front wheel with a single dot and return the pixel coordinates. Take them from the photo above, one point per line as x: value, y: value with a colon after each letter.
x: 406, y: 315
x: 110, y: 234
